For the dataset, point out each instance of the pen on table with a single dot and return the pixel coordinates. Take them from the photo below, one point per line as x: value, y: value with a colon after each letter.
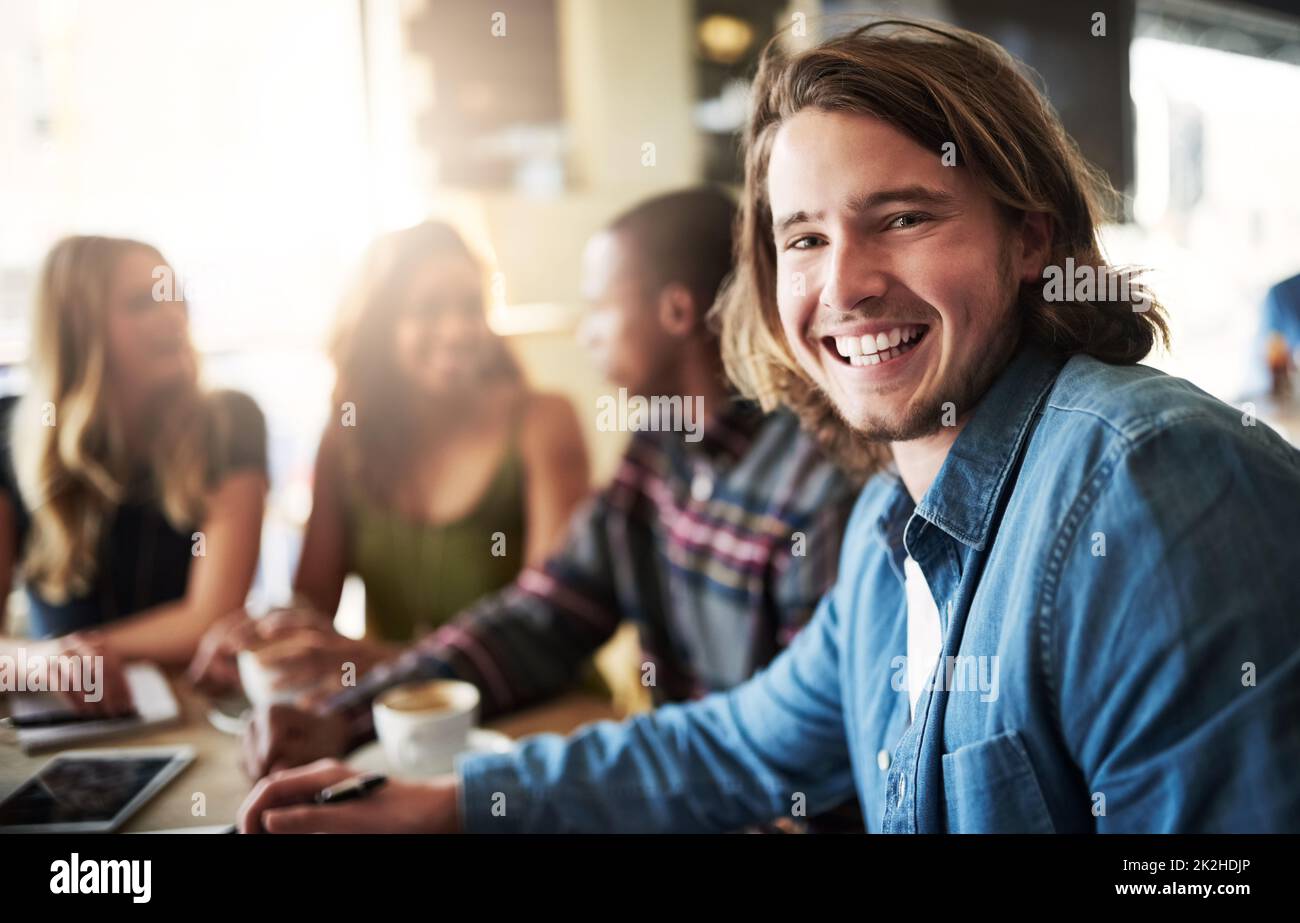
x: 21, y: 722
x: 356, y: 787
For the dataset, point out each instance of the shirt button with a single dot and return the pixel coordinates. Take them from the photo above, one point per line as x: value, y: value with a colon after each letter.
x: 882, y: 760
x: 902, y: 788
x: 702, y: 486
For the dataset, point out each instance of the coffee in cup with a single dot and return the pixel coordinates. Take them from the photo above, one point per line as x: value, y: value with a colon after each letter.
x: 422, y: 726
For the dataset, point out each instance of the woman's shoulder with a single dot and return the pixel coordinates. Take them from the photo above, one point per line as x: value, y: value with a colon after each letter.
x: 240, y: 429
x: 550, y: 434
x: 547, y: 416
x: 548, y: 407
x: 237, y: 407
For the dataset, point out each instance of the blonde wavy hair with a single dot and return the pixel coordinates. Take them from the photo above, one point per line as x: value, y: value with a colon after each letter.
x: 935, y: 84
x: 69, y: 450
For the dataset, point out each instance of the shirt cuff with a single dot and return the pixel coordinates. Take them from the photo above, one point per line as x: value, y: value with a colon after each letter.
x: 493, y: 798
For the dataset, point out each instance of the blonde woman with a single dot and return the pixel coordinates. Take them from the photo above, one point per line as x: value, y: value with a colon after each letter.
x: 440, y: 474
x: 131, y: 499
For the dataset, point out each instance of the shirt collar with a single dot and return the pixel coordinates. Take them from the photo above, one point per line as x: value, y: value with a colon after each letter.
x: 966, y: 493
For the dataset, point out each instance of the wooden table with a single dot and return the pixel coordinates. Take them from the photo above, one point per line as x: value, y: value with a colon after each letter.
x: 216, y: 775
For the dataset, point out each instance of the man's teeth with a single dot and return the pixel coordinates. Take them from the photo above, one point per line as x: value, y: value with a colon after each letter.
x: 875, y: 348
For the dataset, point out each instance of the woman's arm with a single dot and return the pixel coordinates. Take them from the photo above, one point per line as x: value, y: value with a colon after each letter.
x: 323, y: 564
x: 557, y: 473
x: 317, y: 585
x: 218, y: 581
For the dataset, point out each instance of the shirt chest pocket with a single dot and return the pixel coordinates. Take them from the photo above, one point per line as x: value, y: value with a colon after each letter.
x: 990, y: 787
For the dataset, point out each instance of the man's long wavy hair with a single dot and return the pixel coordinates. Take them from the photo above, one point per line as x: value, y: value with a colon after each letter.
x: 935, y: 84
x: 69, y: 450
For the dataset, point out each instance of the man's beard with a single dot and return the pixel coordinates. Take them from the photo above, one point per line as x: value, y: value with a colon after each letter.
x: 922, y: 417
x: 925, y: 416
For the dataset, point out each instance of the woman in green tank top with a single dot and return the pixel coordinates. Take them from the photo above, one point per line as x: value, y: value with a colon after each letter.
x: 440, y: 474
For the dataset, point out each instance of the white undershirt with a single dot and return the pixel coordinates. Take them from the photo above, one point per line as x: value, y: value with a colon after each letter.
x: 924, y: 636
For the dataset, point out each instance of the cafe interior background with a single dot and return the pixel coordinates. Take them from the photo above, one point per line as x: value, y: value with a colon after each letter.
x: 263, y: 143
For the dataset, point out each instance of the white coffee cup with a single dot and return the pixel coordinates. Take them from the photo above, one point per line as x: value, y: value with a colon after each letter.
x: 422, y: 726
x: 258, y: 681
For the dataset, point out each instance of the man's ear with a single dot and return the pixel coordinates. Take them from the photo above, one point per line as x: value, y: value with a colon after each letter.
x: 677, y: 311
x: 1035, y: 245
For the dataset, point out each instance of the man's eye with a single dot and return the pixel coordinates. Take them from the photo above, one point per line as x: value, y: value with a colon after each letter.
x: 909, y: 220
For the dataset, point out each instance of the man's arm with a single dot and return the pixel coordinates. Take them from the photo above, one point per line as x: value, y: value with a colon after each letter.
x: 772, y: 746
x: 1177, y: 653
x: 806, y: 565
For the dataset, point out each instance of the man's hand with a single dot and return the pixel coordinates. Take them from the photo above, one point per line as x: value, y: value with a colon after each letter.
x: 284, y: 802
x: 283, y: 736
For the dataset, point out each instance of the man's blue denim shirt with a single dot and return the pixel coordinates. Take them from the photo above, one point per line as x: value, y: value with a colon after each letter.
x: 1115, y: 557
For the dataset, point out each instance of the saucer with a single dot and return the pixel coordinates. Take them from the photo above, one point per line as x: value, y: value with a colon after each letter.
x: 230, y: 713
x: 370, y: 758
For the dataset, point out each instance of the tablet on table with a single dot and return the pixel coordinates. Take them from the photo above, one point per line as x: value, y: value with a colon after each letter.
x: 91, y: 791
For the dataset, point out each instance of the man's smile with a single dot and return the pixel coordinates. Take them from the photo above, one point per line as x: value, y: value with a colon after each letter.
x: 874, y: 345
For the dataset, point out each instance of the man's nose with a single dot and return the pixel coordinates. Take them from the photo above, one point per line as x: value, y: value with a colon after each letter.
x: 853, y: 275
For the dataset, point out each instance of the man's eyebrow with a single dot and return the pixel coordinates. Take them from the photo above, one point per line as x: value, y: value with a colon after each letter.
x: 910, y: 195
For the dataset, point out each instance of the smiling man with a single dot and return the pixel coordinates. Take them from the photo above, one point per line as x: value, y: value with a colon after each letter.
x: 1067, y: 597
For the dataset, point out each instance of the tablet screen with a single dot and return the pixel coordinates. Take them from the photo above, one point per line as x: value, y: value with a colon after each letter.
x: 79, y: 790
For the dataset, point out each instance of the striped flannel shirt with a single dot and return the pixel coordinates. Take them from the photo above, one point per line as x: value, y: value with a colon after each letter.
x: 717, y: 550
